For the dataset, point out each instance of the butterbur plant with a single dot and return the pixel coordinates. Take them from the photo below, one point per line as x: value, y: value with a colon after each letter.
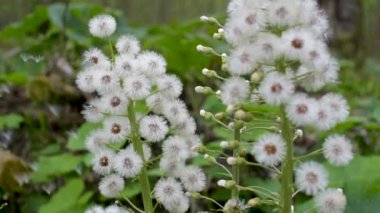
x: 138, y: 106
x: 272, y: 83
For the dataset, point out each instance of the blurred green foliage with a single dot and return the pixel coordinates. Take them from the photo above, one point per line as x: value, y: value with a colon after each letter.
x: 40, y: 55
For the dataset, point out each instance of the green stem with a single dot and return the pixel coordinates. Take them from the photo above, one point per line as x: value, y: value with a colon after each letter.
x: 137, y: 145
x: 287, y: 168
x: 235, y: 168
x: 111, y: 49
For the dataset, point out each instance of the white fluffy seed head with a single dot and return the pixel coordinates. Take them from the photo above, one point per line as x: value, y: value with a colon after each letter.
x: 311, y: 178
x: 168, y: 191
x: 171, y: 167
x: 105, y: 81
x: 137, y: 87
x: 325, y: 117
x: 337, y: 149
x: 176, y: 147
x: 269, y: 149
x: 169, y: 86
x: 331, y: 201
x: 95, y: 58
x: 96, y: 141
x: 276, y: 89
x: 151, y: 64
x: 114, y: 103
x: 85, y: 81
x: 242, y: 60
x: 117, y: 128
x: 156, y: 102
x: 193, y: 179
x: 102, y: 163
x: 146, y: 149
x: 235, y: 90
x: 110, y: 186
x: 153, y: 128
x: 102, y: 26
x: 302, y: 110
x: 337, y: 105
x: 175, y: 111
x: 128, y: 44
x: 95, y: 209
x: 127, y: 163
x: 92, y: 111
x: 115, y: 209
x: 125, y: 65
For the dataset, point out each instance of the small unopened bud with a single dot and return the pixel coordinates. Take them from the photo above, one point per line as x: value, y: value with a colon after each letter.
x: 292, y: 209
x: 223, y: 144
x: 205, y: 114
x: 220, y: 115
x: 225, y: 67
x: 231, y: 125
x: 204, y: 18
x: 231, y: 161
x: 229, y: 184
x: 221, y: 183
x: 218, y: 92
x: 254, y: 202
x: 209, y: 73
x: 217, y: 36
x: 242, y: 115
x: 203, y: 90
x: 233, y: 144
x: 200, y: 149
x: 278, y: 119
x: 202, y: 112
x: 231, y: 109
x: 240, y: 161
x: 209, y: 158
x: 195, y: 195
x: 243, y: 152
x: 220, y: 30
x: 204, y: 49
x: 256, y: 77
x: 299, y: 133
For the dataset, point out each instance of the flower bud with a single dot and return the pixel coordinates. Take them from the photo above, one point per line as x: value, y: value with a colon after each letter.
x: 242, y: 115
x: 240, y: 161
x: 254, y: 202
x: 256, y: 77
x: 209, y: 73
x: 200, y: 149
x: 233, y: 144
x: 195, y: 195
x: 211, y: 159
x: 220, y: 115
x: 203, y: 90
x: 204, y: 49
x: 204, y: 18
x: 299, y: 133
x: 225, y: 67
x: 221, y: 183
x: 223, y: 144
x: 231, y: 161
x: 229, y: 184
x: 205, y: 114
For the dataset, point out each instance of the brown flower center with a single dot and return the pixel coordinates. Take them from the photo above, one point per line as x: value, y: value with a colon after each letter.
x: 281, y: 12
x: 251, y: 19
x: 104, y: 161
x: 94, y: 59
x: 270, y: 149
x: 128, y: 163
x: 276, y: 88
x: 297, y: 43
x: 115, y: 101
x: 116, y: 128
x: 311, y: 177
x: 106, y: 79
x: 302, y: 108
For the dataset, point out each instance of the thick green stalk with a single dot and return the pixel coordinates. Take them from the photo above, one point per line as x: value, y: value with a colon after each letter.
x: 287, y: 168
x: 137, y: 145
x: 235, y: 168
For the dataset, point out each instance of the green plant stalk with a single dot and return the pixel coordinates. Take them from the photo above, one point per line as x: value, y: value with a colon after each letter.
x: 137, y: 145
x: 287, y: 168
x: 235, y: 168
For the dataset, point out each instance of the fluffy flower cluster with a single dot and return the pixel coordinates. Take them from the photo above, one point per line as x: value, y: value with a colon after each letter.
x: 280, y: 46
x: 119, y: 83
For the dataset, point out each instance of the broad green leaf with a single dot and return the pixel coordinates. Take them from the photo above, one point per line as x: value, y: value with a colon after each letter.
x: 52, y: 166
x: 131, y: 190
x: 77, y: 141
x: 11, y: 121
x: 66, y: 198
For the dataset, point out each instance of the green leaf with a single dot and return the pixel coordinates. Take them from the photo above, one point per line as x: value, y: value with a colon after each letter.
x: 131, y: 190
x: 77, y: 141
x: 67, y: 197
x: 53, y: 166
x: 11, y: 121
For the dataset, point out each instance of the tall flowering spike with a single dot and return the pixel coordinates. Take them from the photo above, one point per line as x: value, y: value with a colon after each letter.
x: 122, y: 147
x: 271, y: 85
